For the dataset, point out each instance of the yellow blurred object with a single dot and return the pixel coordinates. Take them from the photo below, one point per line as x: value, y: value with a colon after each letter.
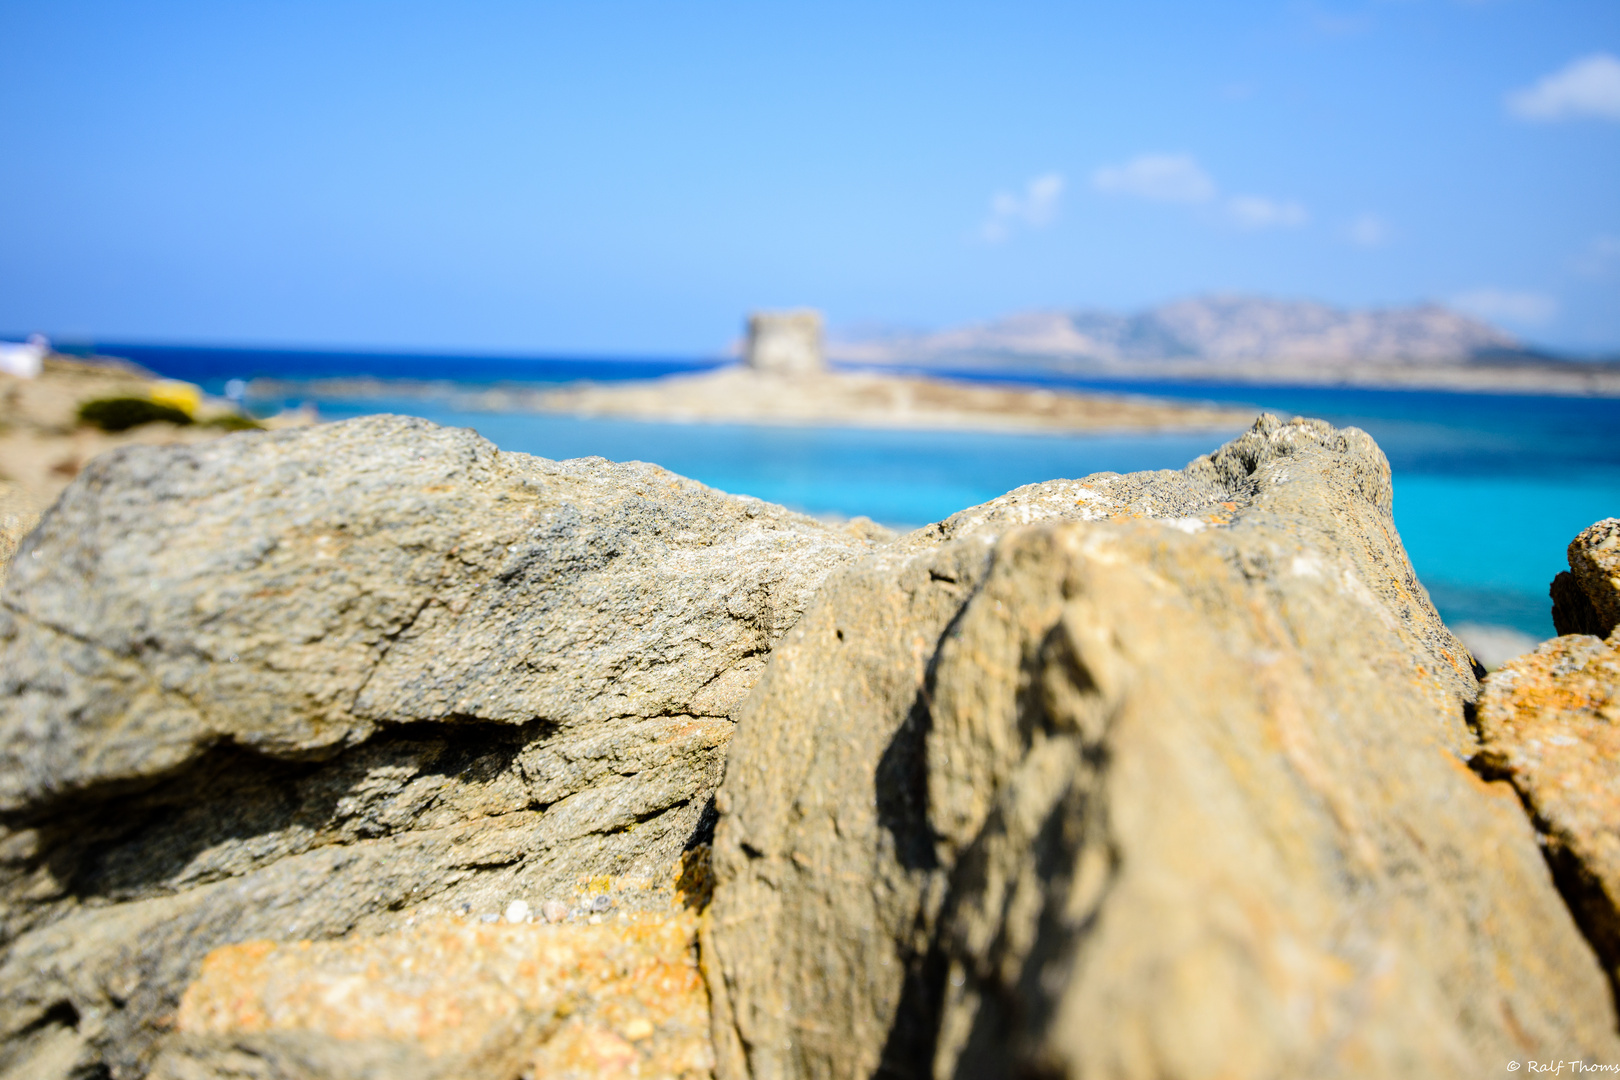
x: 181, y: 395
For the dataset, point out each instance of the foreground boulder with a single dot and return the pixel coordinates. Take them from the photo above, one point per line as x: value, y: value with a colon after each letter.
x: 299, y: 685
x: 1549, y: 723
x: 372, y: 751
x: 1177, y: 789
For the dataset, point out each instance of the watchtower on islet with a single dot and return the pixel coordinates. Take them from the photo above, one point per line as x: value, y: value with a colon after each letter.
x: 785, y: 342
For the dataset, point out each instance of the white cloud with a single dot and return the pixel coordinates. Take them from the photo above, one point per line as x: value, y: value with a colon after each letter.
x: 1178, y: 178
x: 1036, y: 208
x: 1258, y: 212
x: 1507, y: 306
x: 1589, y: 86
x: 1158, y: 177
x: 1368, y: 231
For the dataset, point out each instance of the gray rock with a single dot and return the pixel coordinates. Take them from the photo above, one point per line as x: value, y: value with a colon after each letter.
x: 289, y: 593
x: 297, y: 685
x: 1148, y: 776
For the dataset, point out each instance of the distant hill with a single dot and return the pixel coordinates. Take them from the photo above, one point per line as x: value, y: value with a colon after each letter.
x: 1212, y: 331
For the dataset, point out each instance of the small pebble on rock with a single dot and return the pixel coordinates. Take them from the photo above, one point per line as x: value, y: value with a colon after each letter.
x: 517, y: 911
x: 554, y: 910
x: 602, y: 903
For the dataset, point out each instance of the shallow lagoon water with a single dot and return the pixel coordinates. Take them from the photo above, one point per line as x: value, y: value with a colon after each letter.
x: 1489, y: 488
x: 902, y: 479
x: 1485, y: 540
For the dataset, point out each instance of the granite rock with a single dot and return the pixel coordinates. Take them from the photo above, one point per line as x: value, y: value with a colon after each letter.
x: 448, y: 1000
x: 1160, y: 775
x: 305, y: 684
x: 289, y: 593
x: 1586, y: 598
x: 1549, y: 723
x: 19, y: 513
x: 1148, y: 776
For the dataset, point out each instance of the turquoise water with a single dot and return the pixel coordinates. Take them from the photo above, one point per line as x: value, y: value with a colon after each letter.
x: 1486, y: 545
x: 902, y: 479
x: 1489, y: 489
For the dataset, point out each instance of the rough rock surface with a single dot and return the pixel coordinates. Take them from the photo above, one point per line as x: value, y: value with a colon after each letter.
x: 453, y: 1000
x: 1549, y: 722
x: 19, y: 513
x: 1586, y: 598
x: 1173, y: 790
x: 300, y: 684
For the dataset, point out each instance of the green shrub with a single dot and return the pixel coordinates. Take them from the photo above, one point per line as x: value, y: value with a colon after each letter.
x: 234, y: 422
x: 123, y: 413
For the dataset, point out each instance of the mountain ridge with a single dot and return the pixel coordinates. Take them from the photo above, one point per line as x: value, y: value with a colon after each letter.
x: 1219, y: 328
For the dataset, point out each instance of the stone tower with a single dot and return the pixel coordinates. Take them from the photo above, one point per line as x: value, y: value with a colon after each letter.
x: 785, y: 342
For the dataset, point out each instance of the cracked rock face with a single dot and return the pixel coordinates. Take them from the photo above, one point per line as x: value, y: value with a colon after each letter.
x: 1156, y: 776
x: 296, y: 685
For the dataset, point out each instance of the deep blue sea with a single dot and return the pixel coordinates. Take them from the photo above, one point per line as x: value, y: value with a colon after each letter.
x: 1489, y: 488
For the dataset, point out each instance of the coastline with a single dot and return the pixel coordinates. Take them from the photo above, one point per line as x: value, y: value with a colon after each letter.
x: 859, y: 399
x: 44, y: 443
x: 1556, y: 378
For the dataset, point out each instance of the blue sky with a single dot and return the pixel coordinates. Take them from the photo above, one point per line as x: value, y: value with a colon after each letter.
x: 616, y: 177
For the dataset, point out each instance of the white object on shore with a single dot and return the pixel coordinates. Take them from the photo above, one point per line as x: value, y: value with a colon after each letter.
x: 517, y: 911
x: 27, y: 360
x: 785, y: 342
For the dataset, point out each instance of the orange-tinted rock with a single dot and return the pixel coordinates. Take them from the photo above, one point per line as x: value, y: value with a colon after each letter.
x: 1550, y: 723
x: 465, y: 999
x: 1587, y: 599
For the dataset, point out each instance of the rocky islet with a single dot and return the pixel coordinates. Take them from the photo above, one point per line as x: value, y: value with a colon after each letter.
x: 1167, y: 774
